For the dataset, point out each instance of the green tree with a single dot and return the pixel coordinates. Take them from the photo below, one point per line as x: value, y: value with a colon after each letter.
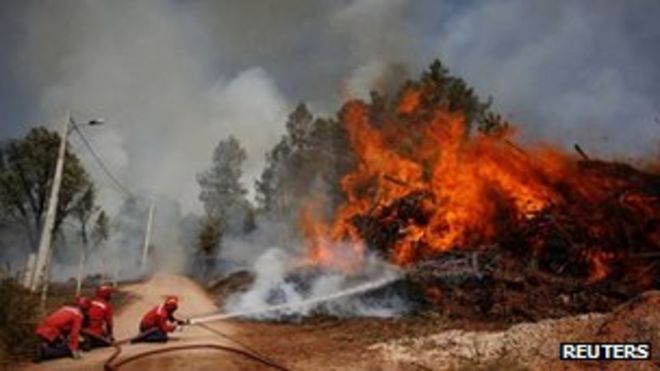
x: 208, y: 238
x: 270, y: 187
x: 222, y: 192
x: 83, y: 210
x: 313, y: 151
x: 299, y: 127
x: 101, y: 229
x: 27, y: 167
x: 453, y: 91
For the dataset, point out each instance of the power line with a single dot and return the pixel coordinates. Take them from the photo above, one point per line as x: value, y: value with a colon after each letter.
x: 101, y: 163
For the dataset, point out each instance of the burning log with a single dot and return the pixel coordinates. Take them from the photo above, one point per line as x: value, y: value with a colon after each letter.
x: 552, y: 264
x: 559, y: 228
x: 396, y: 181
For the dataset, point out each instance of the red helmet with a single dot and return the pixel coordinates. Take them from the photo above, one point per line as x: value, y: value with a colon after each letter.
x: 104, y: 292
x: 171, y: 303
x: 83, y: 303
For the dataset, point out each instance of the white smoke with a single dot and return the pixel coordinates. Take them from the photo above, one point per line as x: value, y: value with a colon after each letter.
x: 173, y: 78
x: 141, y: 66
x: 281, y: 284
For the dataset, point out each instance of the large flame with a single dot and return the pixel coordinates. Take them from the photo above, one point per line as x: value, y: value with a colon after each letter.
x: 470, y: 187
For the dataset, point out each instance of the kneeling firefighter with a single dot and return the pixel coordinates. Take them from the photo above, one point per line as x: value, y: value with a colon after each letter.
x: 59, y: 332
x: 160, y: 321
x: 98, y: 331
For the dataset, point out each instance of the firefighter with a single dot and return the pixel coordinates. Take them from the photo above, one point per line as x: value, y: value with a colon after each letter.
x: 98, y: 330
x: 160, y: 321
x: 59, y: 332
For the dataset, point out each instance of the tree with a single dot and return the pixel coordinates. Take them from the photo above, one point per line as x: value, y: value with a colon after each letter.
x: 208, y: 243
x: 308, y: 160
x: 286, y: 164
x: 459, y: 96
x: 313, y: 151
x: 101, y: 230
x: 299, y: 126
x: 222, y: 192
x: 208, y: 238
x: 271, y: 192
x: 27, y: 167
x: 83, y: 211
x: 100, y: 234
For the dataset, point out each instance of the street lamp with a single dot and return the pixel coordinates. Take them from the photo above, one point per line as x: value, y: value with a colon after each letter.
x: 38, y: 274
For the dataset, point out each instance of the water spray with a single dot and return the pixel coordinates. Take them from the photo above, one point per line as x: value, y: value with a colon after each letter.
x: 369, y: 286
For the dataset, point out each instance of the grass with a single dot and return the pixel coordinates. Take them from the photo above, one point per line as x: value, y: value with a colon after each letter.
x: 20, y: 313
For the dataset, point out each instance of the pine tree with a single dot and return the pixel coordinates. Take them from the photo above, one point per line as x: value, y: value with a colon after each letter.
x: 222, y: 192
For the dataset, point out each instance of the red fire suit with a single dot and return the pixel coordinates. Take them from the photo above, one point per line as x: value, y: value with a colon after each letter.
x: 64, y: 322
x: 100, y: 318
x: 158, y: 317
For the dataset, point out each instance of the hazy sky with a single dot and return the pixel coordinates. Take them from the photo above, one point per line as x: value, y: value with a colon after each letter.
x: 172, y: 78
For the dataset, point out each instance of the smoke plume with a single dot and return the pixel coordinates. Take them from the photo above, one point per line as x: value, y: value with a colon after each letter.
x: 172, y: 78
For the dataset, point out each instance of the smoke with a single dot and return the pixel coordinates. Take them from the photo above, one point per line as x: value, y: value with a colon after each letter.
x: 172, y: 78
x: 566, y: 71
x: 243, y: 250
x: 139, y: 64
x: 280, y: 282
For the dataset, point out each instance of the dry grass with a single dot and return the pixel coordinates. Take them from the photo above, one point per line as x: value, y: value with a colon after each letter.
x: 19, y: 313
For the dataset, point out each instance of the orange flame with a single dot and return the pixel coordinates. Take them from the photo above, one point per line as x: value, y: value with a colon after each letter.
x: 469, y: 183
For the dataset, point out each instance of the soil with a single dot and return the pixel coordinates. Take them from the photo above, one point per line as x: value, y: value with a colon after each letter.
x: 425, y: 341
x: 143, y: 296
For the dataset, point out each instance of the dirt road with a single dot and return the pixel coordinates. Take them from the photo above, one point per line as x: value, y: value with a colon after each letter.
x: 193, y: 302
x: 411, y: 343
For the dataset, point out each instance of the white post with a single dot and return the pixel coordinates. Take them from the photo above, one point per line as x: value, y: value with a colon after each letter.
x: 29, y: 269
x: 81, y: 271
x: 39, y: 272
x: 102, y: 266
x: 147, y: 236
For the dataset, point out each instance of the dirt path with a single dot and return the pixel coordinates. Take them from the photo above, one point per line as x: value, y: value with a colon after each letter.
x: 193, y: 302
x: 411, y: 343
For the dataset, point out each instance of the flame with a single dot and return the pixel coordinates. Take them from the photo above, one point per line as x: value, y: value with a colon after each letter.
x: 471, y: 187
x: 409, y: 101
x: 324, y: 250
x: 599, y: 265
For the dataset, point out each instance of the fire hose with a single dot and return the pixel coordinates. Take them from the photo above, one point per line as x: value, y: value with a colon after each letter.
x: 246, y: 351
x: 111, y: 365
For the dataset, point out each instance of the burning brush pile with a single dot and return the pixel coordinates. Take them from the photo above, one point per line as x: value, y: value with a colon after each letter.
x: 484, y: 226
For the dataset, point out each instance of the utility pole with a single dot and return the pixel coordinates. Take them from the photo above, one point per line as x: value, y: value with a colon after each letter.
x: 39, y: 271
x: 147, y: 235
